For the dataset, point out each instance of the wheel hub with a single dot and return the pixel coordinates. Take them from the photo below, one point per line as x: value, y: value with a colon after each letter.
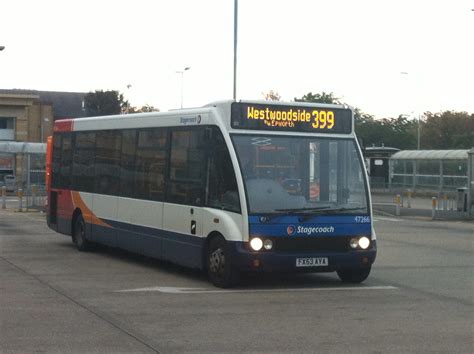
x: 217, y: 261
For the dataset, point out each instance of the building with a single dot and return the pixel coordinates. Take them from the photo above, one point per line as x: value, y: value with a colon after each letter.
x: 28, y: 116
x: 377, y: 164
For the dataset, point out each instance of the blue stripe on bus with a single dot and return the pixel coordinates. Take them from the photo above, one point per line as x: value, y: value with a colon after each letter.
x: 284, y: 226
x: 171, y: 246
x: 292, y: 219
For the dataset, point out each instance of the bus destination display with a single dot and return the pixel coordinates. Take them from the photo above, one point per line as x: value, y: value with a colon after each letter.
x: 291, y: 118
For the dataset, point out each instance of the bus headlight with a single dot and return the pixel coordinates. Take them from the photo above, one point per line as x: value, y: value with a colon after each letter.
x: 354, y: 243
x: 268, y: 244
x: 364, y: 243
x: 256, y: 244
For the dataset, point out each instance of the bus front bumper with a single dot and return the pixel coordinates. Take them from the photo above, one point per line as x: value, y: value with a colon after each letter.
x: 268, y: 261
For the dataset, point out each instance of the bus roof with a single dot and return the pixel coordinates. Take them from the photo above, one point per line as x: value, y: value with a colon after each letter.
x: 274, y: 117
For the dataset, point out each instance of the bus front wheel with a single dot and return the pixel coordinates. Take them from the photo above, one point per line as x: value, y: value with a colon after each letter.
x: 353, y: 275
x: 219, y: 267
x: 79, y: 235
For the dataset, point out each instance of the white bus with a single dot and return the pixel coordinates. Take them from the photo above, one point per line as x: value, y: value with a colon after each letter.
x: 227, y: 188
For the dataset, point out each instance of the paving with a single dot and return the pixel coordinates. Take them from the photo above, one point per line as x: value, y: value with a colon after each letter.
x: 54, y: 299
x: 418, y: 206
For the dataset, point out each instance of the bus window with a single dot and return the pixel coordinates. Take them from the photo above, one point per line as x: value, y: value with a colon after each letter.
x: 150, y: 164
x: 187, y: 166
x: 222, y: 185
x: 83, y: 169
x: 66, y: 161
x: 127, y: 163
x: 107, y: 162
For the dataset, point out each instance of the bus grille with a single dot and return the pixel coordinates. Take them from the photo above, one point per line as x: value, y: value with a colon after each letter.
x: 324, y: 244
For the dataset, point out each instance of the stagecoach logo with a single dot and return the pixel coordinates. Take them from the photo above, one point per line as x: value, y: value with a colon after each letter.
x: 290, y: 230
x: 190, y: 120
x: 309, y: 230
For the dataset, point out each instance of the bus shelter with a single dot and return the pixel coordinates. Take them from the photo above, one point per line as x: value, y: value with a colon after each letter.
x: 471, y: 183
x: 28, y: 162
x: 429, y: 170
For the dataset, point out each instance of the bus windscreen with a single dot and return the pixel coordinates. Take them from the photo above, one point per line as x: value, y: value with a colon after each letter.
x: 291, y: 118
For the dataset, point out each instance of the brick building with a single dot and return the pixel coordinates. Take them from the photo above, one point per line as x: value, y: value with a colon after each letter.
x: 28, y: 116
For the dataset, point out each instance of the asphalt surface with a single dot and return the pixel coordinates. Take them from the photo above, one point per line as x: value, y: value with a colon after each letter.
x: 419, y: 298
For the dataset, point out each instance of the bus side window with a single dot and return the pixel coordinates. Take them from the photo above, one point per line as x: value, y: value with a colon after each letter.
x: 222, y: 185
x: 56, y: 163
x: 66, y: 161
x: 187, y: 166
x: 107, y: 162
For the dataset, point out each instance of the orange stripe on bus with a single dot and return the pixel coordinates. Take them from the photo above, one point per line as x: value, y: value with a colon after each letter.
x: 86, y: 212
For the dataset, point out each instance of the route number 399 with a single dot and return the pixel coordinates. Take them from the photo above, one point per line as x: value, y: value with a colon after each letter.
x: 323, y: 120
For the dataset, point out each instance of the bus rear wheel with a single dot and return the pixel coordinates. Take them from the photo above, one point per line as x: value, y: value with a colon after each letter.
x: 219, y: 267
x: 353, y: 275
x: 79, y: 235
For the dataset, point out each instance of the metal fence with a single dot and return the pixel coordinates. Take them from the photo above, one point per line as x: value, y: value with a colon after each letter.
x: 428, y: 175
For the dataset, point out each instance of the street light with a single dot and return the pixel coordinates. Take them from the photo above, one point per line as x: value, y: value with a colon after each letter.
x: 182, y: 81
x: 128, y: 103
x: 2, y: 47
x: 42, y: 122
x: 418, y: 129
x: 236, y: 10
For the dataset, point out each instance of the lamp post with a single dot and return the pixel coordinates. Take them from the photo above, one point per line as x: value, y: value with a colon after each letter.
x: 127, y: 109
x: 182, y: 82
x: 418, y: 140
x: 43, y: 121
x: 236, y: 8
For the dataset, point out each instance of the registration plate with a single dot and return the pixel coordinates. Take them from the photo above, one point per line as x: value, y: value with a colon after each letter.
x: 312, y: 262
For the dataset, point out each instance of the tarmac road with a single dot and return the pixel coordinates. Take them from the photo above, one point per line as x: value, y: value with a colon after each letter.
x: 419, y: 298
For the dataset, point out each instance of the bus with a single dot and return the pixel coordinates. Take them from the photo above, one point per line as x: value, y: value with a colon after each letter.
x: 229, y: 188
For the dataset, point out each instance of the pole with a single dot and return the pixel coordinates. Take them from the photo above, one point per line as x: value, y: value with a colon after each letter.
x: 236, y: 8
x: 4, y: 197
x: 182, y: 82
x: 418, y: 133
x: 182, y: 87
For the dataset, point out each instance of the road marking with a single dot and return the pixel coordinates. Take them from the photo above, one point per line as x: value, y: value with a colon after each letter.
x: 176, y: 290
x: 384, y: 218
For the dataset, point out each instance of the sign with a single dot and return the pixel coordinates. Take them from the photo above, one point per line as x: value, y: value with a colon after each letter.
x: 291, y: 118
x: 6, y: 162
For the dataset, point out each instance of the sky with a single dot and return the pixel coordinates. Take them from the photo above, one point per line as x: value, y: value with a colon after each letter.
x: 385, y: 57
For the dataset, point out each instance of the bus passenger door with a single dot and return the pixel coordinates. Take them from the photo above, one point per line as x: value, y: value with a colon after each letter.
x: 182, y: 236
x: 185, y: 191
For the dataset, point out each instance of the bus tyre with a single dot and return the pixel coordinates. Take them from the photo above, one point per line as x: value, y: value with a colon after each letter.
x: 79, y: 235
x: 353, y: 275
x: 219, y: 265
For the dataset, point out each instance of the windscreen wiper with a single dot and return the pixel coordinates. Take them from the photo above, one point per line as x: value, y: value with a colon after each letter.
x: 299, y: 210
x: 344, y: 209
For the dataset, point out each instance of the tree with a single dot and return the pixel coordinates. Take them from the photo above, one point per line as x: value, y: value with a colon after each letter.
x: 447, y: 130
x: 322, y: 97
x: 143, y: 109
x: 393, y: 132
x: 103, y: 103
x: 271, y: 96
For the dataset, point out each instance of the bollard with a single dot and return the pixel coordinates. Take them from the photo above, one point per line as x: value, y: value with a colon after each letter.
x: 34, y: 193
x: 445, y: 202
x: 433, y: 207
x: 20, y: 199
x: 4, y: 197
x: 397, y: 206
